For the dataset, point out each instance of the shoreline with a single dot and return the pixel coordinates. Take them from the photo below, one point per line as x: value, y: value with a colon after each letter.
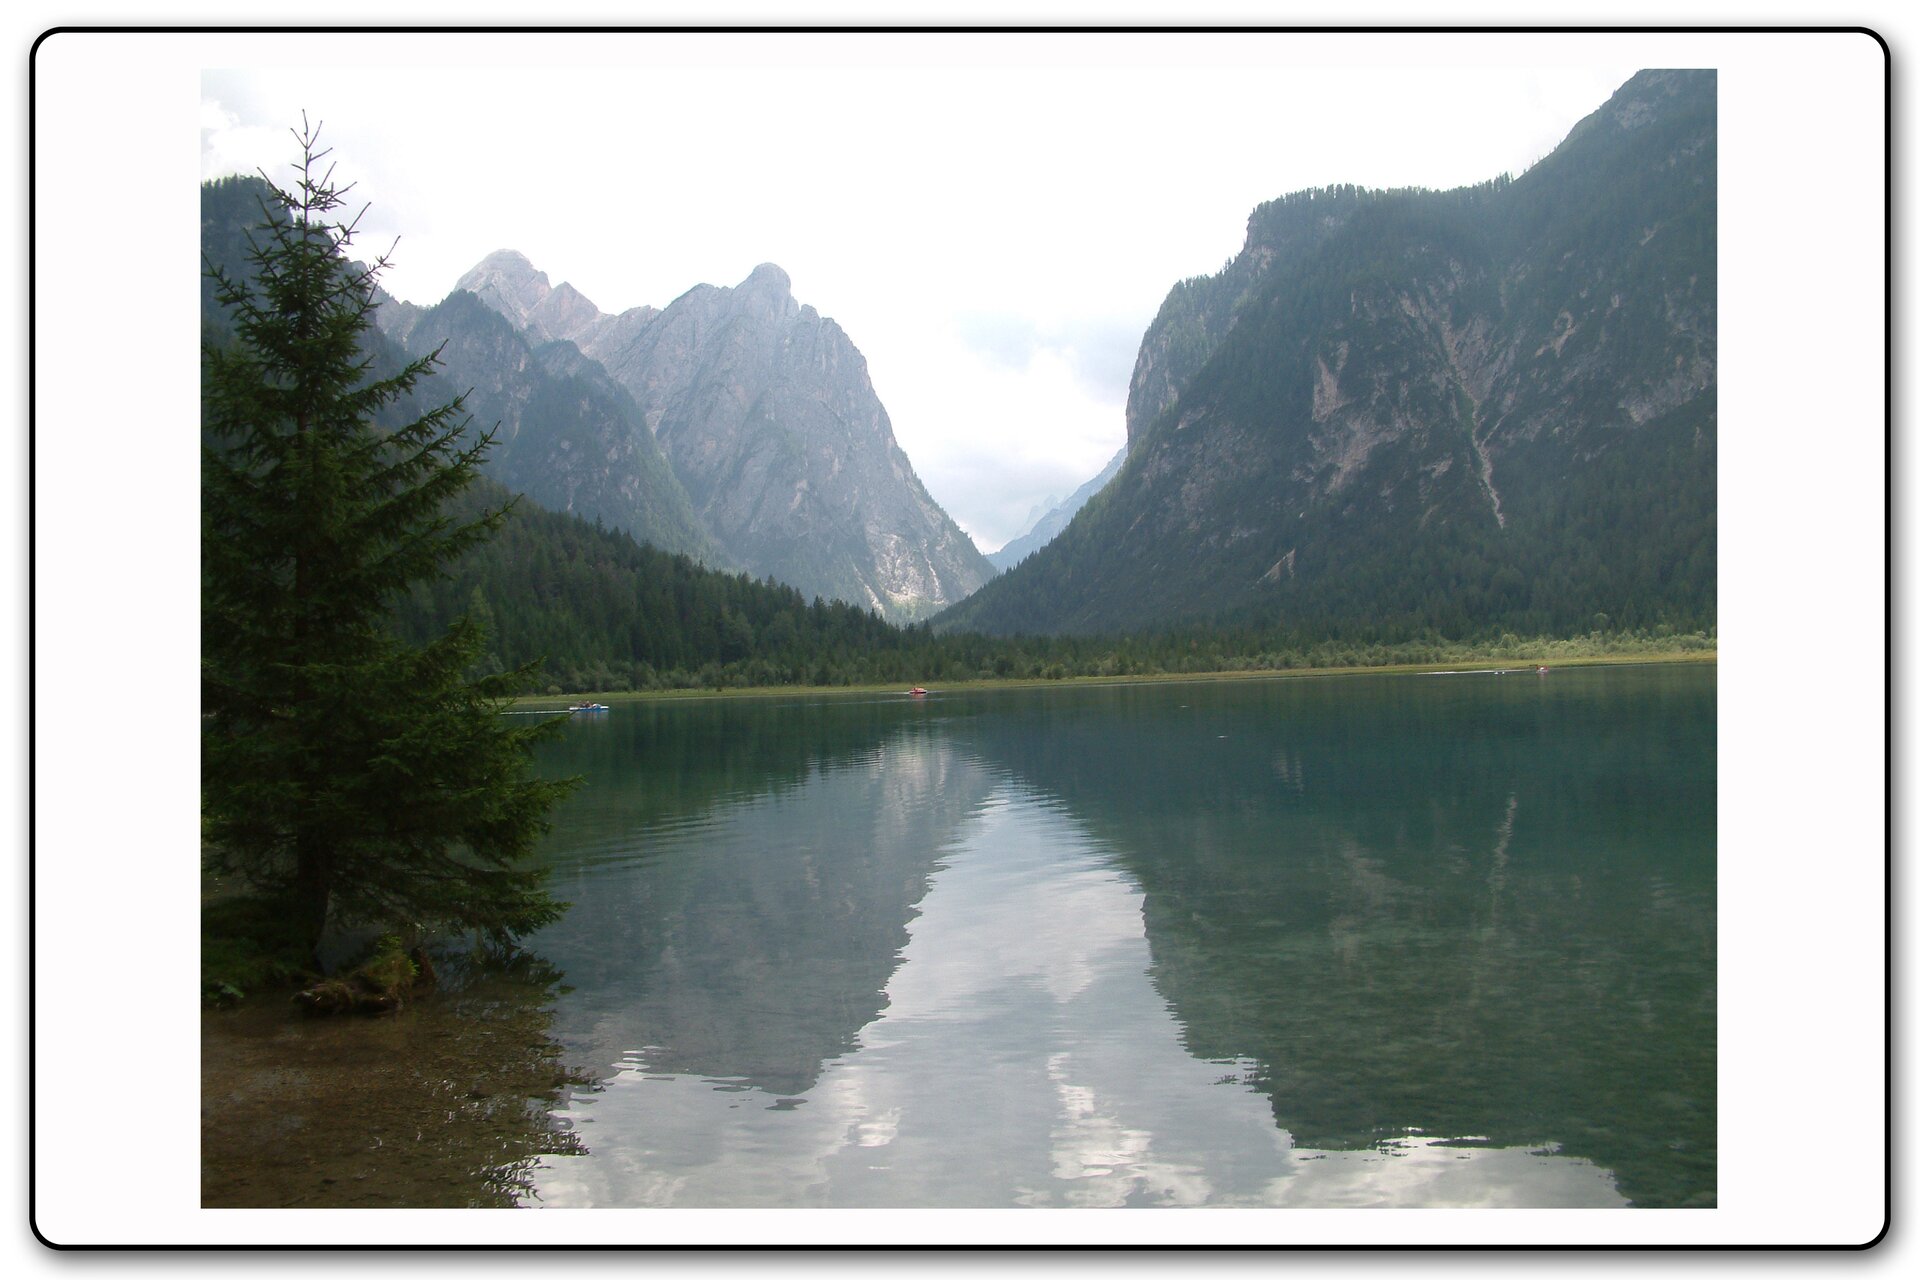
x: 559, y: 704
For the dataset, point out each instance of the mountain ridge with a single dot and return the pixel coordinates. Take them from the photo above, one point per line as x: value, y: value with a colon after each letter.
x: 767, y: 415
x: 565, y: 434
x: 1397, y: 413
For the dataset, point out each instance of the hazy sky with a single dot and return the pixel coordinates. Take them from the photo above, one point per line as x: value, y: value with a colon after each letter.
x: 993, y: 220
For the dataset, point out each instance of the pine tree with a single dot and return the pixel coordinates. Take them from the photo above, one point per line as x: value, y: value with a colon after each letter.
x: 357, y: 778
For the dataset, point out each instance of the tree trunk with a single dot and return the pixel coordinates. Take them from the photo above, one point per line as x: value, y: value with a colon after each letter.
x: 312, y: 887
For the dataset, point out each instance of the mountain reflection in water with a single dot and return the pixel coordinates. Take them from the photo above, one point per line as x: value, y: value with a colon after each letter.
x: 1384, y: 942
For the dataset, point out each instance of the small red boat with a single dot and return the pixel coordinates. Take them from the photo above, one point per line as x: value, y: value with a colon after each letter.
x: 916, y: 692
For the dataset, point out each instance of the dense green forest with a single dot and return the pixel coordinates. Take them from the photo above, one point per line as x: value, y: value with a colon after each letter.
x: 608, y: 614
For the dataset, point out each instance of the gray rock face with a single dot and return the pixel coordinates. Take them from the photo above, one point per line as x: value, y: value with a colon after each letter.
x: 766, y: 413
x: 507, y: 282
x: 565, y: 434
x: 1199, y: 313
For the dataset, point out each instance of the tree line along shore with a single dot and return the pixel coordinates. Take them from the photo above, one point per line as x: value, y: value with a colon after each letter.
x: 1121, y: 667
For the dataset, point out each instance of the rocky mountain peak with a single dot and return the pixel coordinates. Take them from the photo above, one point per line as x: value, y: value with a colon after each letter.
x: 510, y: 284
x: 506, y: 281
x: 510, y: 262
x: 768, y: 293
x: 770, y: 277
x: 764, y: 411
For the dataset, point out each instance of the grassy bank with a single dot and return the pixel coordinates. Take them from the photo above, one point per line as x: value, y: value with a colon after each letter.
x: 1483, y: 663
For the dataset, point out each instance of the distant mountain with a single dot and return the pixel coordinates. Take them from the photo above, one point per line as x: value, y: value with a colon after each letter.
x: 1485, y: 409
x: 1035, y: 514
x: 567, y: 436
x: 1047, y: 526
x: 603, y: 611
x: 765, y: 411
x: 507, y: 282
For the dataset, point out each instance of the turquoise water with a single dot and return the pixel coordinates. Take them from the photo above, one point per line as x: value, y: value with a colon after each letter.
x: 1409, y: 940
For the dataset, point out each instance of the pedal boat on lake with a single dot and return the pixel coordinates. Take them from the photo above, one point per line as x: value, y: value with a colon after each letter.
x: 916, y: 692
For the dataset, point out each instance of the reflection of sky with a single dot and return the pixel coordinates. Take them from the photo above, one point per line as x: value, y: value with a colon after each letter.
x: 1023, y: 1058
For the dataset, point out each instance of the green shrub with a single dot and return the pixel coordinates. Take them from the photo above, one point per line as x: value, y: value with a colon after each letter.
x: 249, y: 945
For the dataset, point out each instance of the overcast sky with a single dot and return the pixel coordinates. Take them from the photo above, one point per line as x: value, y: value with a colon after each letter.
x: 993, y: 221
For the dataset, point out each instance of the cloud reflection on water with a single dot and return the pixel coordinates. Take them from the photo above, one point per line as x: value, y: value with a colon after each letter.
x: 1021, y: 1055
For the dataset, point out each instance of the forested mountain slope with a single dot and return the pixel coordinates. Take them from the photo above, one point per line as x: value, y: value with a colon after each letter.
x: 1398, y: 412
x: 606, y: 613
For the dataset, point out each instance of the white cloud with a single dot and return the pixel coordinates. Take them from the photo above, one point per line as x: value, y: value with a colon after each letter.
x: 228, y: 146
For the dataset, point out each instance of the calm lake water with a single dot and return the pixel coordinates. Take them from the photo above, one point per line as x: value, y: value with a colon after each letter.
x: 1408, y: 940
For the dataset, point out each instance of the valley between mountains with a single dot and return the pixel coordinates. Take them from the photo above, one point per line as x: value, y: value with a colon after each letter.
x: 1397, y: 422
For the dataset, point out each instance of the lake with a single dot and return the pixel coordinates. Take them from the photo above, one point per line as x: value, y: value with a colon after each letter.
x: 1359, y: 940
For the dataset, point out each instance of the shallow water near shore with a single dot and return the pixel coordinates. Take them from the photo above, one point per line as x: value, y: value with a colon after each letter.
x: 1394, y: 940
x: 444, y: 1105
